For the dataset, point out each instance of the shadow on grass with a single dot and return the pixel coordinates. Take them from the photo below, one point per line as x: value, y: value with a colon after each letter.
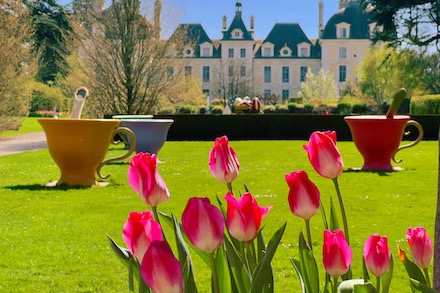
x: 44, y: 187
x: 380, y: 173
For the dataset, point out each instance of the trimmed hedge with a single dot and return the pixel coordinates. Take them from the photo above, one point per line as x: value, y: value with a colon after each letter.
x: 425, y: 105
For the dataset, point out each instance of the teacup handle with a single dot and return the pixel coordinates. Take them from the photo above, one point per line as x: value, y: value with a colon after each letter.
x: 418, y: 139
x: 126, y: 155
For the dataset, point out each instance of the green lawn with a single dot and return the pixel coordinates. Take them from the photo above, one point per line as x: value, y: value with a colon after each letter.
x: 54, y: 240
x: 29, y: 124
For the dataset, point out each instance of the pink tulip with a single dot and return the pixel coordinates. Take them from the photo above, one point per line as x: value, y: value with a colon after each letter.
x: 303, y: 195
x: 223, y: 161
x: 420, y: 245
x: 146, y: 181
x: 324, y: 155
x: 377, y: 254
x: 336, y: 253
x: 160, y: 270
x: 204, y: 224
x: 140, y: 230
x: 244, y: 216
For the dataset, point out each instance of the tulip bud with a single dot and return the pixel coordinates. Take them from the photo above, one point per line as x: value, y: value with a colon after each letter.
x: 223, y: 161
x: 377, y: 254
x: 420, y: 245
x: 140, y: 230
x: 160, y: 270
x: 146, y: 181
x: 324, y: 155
x: 303, y: 195
x: 244, y: 216
x: 336, y: 253
x: 204, y: 224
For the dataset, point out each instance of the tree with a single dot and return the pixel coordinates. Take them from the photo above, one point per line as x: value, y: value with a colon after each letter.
x: 407, y: 22
x: 16, y: 67
x: 126, y: 59
x: 321, y: 86
x: 52, y: 37
x: 384, y: 70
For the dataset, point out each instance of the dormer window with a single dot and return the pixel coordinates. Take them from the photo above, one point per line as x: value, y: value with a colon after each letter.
x: 188, y: 52
x: 267, y: 49
x: 206, y: 49
x: 303, y: 49
x: 343, y: 30
x: 285, y: 51
x: 237, y: 34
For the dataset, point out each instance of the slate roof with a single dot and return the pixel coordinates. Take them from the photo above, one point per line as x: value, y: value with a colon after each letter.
x: 356, y: 16
x: 237, y: 22
x: 194, y: 34
x: 290, y: 34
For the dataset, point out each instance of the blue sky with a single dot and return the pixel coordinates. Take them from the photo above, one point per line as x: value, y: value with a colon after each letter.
x: 209, y: 13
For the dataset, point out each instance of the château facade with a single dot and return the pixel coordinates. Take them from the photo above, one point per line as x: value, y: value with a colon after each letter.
x: 239, y: 65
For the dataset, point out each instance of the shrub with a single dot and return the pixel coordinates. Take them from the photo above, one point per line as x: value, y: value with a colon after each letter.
x: 282, y: 109
x: 343, y: 108
x: 425, y: 105
x: 204, y: 110
x: 296, y: 108
x: 308, y: 108
x: 297, y: 100
x: 187, y: 109
x: 269, y: 109
x: 360, y: 108
x: 167, y: 111
x: 218, y: 109
x: 45, y: 97
x: 217, y: 102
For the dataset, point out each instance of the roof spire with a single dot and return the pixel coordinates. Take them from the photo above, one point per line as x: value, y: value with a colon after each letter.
x: 238, y: 7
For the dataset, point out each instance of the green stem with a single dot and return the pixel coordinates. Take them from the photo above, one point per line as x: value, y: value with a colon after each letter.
x: 229, y: 185
x: 309, y: 234
x: 342, y: 207
x: 378, y: 284
x: 214, y: 273
x: 428, y: 281
x: 335, y: 284
x: 245, y: 260
x: 157, y: 219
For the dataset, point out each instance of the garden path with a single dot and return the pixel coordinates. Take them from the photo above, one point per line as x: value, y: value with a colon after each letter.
x: 22, y: 143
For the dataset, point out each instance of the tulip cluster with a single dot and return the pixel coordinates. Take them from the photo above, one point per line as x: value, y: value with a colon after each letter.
x: 223, y: 239
x: 230, y: 241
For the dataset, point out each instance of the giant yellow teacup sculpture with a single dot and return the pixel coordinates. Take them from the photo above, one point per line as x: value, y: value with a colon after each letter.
x: 79, y: 146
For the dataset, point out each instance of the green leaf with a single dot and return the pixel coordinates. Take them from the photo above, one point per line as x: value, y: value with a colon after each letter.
x: 386, y: 278
x: 309, y: 268
x: 364, y: 288
x: 418, y: 286
x: 365, y: 270
x: 241, y: 278
x: 324, y: 216
x: 296, y: 264
x: 262, y: 277
x: 412, y: 269
x: 184, y: 258
x: 122, y: 253
x: 223, y: 273
x: 261, y: 246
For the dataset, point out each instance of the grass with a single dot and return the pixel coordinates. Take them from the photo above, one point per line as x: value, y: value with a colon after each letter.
x: 54, y: 239
x: 29, y: 124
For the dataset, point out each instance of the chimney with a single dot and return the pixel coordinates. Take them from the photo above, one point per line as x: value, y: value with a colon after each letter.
x: 157, y: 14
x: 224, y: 23
x: 343, y: 3
x: 251, y: 29
x: 321, y: 18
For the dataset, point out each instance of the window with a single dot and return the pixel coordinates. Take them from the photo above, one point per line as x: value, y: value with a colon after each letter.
x: 205, y: 52
x: 343, y: 52
x: 188, y: 70
x: 343, y: 33
x: 302, y: 73
x: 267, y: 74
x: 267, y: 52
x: 267, y: 93
x: 303, y: 52
x: 343, y: 30
x: 231, y: 53
x: 342, y: 73
x: 285, y: 74
x: 230, y: 70
x: 237, y: 34
x: 206, y: 92
x: 242, y: 71
x: 242, y: 53
x: 170, y: 71
x: 205, y: 73
x: 285, y: 94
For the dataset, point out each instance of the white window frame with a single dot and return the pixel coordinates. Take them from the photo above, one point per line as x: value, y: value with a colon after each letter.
x: 304, y: 50
x: 342, y: 52
x: 340, y: 28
